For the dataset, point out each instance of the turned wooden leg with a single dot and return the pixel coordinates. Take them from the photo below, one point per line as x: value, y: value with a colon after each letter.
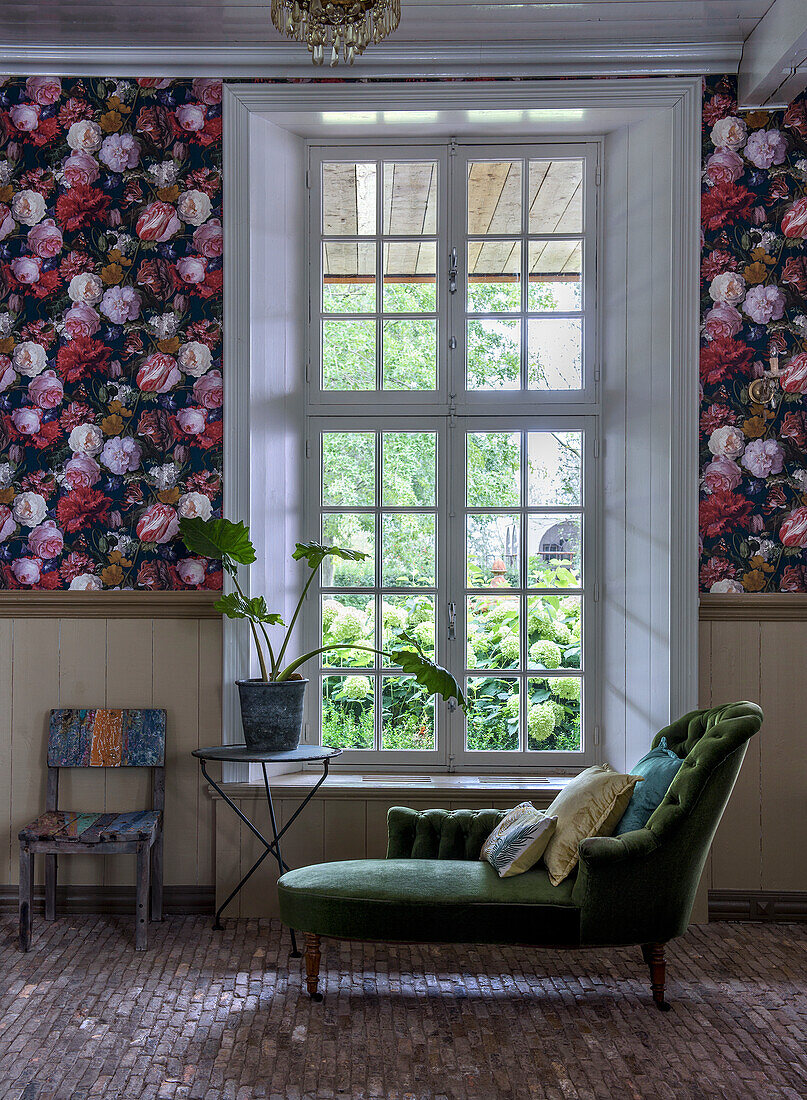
x: 312, y: 960
x: 26, y: 896
x: 654, y: 957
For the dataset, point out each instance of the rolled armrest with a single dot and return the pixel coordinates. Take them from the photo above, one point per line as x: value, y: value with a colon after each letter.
x: 611, y: 849
x: 438, y: 834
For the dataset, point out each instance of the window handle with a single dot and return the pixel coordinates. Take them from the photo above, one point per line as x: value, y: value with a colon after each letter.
x: 452, y: 621
x: 452, y: 271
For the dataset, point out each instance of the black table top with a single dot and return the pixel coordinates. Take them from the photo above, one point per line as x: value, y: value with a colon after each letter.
x: 240, y: 754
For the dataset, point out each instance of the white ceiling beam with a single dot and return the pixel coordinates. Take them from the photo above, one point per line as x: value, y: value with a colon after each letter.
x: 773, y: 69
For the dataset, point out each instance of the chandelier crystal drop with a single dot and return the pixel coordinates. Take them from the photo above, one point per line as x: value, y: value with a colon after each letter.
x: 341, y: 28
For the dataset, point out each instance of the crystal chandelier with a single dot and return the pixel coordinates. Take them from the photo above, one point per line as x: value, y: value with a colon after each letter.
x: 344, y: 27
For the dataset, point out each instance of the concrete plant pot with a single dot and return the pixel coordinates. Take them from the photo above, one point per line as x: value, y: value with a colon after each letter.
x: 272, y: 713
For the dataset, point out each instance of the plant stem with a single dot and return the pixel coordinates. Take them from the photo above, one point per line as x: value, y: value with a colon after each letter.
x: 261, y: 661
x: 294, y: 619
x: 287, y: 672
x: 264, y: 676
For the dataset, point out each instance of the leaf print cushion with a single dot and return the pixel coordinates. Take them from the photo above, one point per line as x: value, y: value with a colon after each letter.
x: 522, y: 845
x: 509, y: 819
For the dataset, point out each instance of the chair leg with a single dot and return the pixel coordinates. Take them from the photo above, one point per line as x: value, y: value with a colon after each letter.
x: 157, y: 879
x: 654, y: 956
x: 51, y: 872
x: 142, y: 901
x: 26, y: 896
x: 312, y: 960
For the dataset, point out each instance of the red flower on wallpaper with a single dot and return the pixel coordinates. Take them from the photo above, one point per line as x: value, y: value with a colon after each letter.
x: 794, y: 273
x: 726, y: 204
x: 81, y: 207
x: 725, y: 357
x: 724, y: 511
x: 82, y: 508
x: 82, y: 358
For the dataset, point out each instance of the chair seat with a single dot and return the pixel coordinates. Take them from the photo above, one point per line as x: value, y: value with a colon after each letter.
x: 74, y: 826
x: 428, y: 901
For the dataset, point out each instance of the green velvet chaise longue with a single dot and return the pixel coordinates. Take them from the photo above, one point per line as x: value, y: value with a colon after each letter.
x: 637, y: 888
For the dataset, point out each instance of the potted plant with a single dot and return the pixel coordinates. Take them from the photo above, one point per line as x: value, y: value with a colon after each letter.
x: 272, y: 705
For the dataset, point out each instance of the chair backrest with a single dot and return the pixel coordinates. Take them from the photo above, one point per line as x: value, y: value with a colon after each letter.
x: 105, y: 738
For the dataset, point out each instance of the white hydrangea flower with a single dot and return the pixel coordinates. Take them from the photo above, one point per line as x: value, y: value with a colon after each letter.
x: 164, y: 174
x: 5, y: 172
x: 800, y: 477
x: 6, y: 324
x: 164, y: 326
x: 6, y: 474
x: 800, y: 323
x: 165, y: 477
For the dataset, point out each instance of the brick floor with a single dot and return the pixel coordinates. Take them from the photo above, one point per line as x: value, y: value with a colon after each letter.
x: 220, y: 1016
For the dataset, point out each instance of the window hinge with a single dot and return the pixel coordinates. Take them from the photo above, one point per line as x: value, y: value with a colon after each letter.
x: 452, y: 343
x: 307, y: 369
x: 596, y: 735
x: 596, y: 448
x: 452, y: 410
x: 452, y: 147
x: 307, y: 180
x: 596, y: 592
x: 307, y: 449
x: 597, y: 176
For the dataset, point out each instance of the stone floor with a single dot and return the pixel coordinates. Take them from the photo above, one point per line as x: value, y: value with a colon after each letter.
x: 220, y: 1016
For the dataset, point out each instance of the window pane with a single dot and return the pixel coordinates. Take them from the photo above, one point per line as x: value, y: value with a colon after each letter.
x: 348, y: 199
x: 407, y: 550
x: 348, y: 468
x: 493, y: 632
x: 351, y: 531
x: 554, y: 551
x: 348, y: 277
x: 556, y: 196
x: 347, y: 712
x: 555, y: 353
x: 410, y: 198
x: 493, y: 469
x: 493, y: 706
x: 554, y: 468
x: 494, y: 276
x: 553, y: 631
x: 348, y: 620
x: 493, y: 551
x: 410, y: 277
x: 556, y: 269
x: 409, y: 468
x: 494, y: 197
x: 407, y: 714
x: 410, y: 354
x: 554, y: 709
x: 494, y: 355
x: 413, y: 615
x: 348, y: 355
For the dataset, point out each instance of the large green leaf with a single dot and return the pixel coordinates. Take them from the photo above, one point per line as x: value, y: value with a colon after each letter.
x: 218, y: 538
x: 436, y: 679
x: 315, y: 552
x: 235, y: 607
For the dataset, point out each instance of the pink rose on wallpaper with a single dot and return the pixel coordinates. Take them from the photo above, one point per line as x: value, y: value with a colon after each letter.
x: 46, y: 541
x: 80, y: 169
x: 729, y: 133
x: 29, y: 509
x: 191, y: 421
x: 45, y: 240
x: 7, y: 373
x: 26, y: 269
x: 794, y: 219
x: 727, y: 442
x: 723, y: 320
x: 766, y: 147
x: 46, y: 390
x: 27, y: 421
x: 81, y: 321
x: 194, y: 207
x: 86, y: 439
x: 722, y: 473
x: 159, y: 523
x: 728, y: 288
x: 121, y: 455
x: 764, y: 304
x: 26, y: 570
x: 7, y: 223
x: 30, y: 358
x: 158, y: 373
x: 120, y: 304
x: 793, y: 531
x: 84, y: 136
x: 727, y: 587
x: 86, y: 288
x: 208, y: 390
x: 724, y: 166
x: 85, y: 582
x: 7, y: 524
x: 194, y: 506
x: 763, y: 457
x: 195, y: 358
x: 191, y: 571
x: 82, y: 472
x: 208, y: 238
x: 207, y: 90
x: 25, y: 116
x: 794, y: 375
x: 44, y: 90
x: 157, y: 222
x: 191, y: 117
x: 119, y: 152
x: 191, y: 269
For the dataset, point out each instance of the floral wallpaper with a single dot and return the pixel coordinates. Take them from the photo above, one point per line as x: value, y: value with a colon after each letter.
x: 753, y: 456
x: 110, y: 330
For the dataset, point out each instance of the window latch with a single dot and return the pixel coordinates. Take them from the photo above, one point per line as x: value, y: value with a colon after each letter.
x: 452, y: 271
x: 452, y: 621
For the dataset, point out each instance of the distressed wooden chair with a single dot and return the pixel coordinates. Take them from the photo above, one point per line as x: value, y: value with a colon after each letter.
x: 99, y: 739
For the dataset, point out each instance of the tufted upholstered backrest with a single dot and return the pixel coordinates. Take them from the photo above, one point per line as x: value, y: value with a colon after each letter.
x: 439, y: 834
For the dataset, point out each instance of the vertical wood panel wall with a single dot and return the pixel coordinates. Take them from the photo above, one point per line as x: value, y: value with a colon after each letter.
x: 114, y: 662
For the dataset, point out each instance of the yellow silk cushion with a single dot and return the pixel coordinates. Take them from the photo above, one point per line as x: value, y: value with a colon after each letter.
x: 592, y: 804
x: 510, y: 818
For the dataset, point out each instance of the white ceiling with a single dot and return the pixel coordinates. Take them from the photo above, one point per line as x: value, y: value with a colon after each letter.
x: 242, y: 23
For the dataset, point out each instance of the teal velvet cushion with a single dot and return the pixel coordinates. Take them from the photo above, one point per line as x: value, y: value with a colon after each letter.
x: 659, y: 767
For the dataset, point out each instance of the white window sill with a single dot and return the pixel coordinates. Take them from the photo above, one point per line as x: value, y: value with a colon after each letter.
x: 457, y: 788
